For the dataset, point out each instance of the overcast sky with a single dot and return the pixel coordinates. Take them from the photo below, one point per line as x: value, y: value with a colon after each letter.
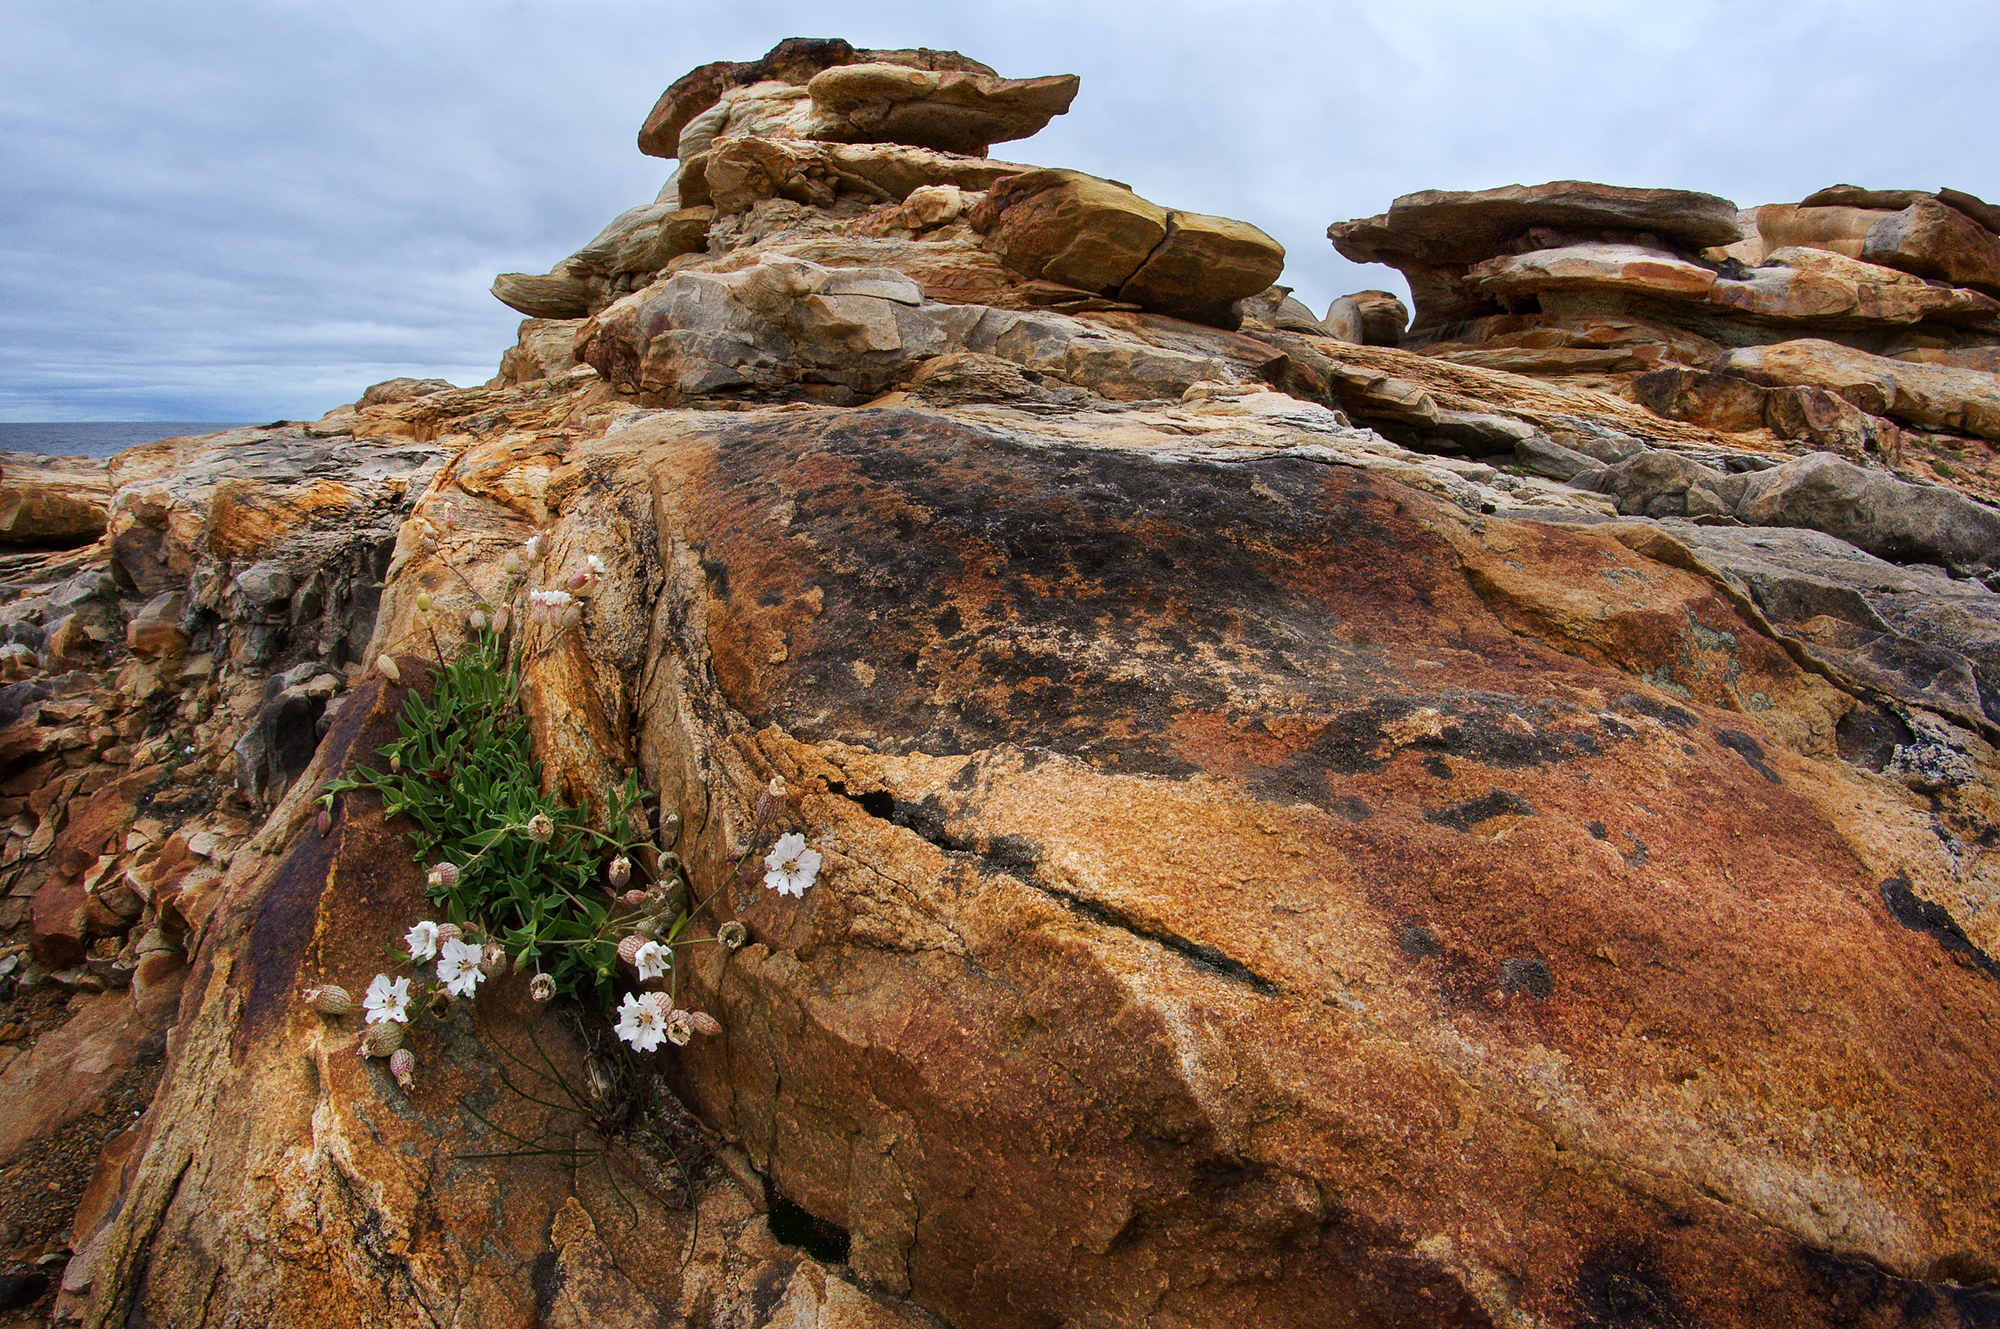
x: 241, y: 210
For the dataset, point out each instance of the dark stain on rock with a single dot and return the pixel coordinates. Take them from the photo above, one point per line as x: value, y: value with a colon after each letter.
x: 1921, y: 915
x: 1417, y: 942
x: 545, y: 1279
x: 1437, y: 768
x: 1867, y: 1294
x: 1521, y: 973
x: 1464, y: 816
x: 1869, y: 734
x: 1597, y: 831
x: 1026, y: 605
x: 1749, y: 749
x: 1638, y: 703
x: 1623, y: 1290
x: 1350, y: 807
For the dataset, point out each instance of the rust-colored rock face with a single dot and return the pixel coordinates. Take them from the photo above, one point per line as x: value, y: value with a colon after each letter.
x: 1243, y: 884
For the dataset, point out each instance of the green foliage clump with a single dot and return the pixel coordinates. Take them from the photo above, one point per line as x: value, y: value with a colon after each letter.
x: 515, y: 864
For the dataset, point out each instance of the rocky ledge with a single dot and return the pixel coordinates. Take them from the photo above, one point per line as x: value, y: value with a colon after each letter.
x: 1322, y: 823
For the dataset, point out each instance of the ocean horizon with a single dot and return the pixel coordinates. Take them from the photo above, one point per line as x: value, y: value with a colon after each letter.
x: 101, y: 438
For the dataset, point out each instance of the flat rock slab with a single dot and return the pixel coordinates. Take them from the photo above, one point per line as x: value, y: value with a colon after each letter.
x: 1465, y: 226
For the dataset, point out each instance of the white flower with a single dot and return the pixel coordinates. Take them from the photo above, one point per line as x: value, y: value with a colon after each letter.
x: 549, y: 605
x: 533, y: 546
x: 594, y: 563
x: 652, y: 961
x: 422, y: 940
x: 458, y: 968
x: 387, y: 999
x: 641, y: 1022
x: 790, y: 867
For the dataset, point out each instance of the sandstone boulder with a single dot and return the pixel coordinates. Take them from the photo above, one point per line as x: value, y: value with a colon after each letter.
x: 1932, y: 396
x: 1797, y: 284
x: 1367, y: 318
x: 51, y: 502
x: 555, y: 295
x: 1077, y: 230
x: 1874, y: 512
x: 1587, y: 267
x: 792, y: 62
x: 1459, y: 226
x: 950, y: 110
x: 1933, y: 239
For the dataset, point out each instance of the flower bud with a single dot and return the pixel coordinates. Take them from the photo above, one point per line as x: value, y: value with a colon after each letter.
x: 424, y: 602
x: 449, y: 932
x: 636, y: 899
x: 511, y: 565
x: 732, y: 935
x: 620, y: 870
x: 476, y: 621
x: 379, y: 1040
x: 493, y: 959
x: 540, y: 828
x: 500, y: 619
x: 443, y: 876
x: 388, y: 668
x: 325, y: 823
x: 403, y: 1065
x: 704, y: 1023
x: 329, y: 999
x: 628, y: 948
x: 579, y: 583
x: 771, y: 802
x: 542, y: 988
x: 572, y: 614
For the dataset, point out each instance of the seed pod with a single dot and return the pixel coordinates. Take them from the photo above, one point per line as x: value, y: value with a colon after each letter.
x: 493, y: 959
x: 449, y: 932
x: 670, y: 828
x: 388, y: 668
x: 403, y: 1065
x: 680, y: 1027
x: 572, y: 614
x: 636, y: 899
x: 424, y: 602
x: 329, y: 999
x: 542, y: 988
x: 325, y: 823
x: 476, y: 621
x: 704, y: 1023
x: 541, y: 829
x: 443, y: 876
x: 732, y: 935
x: 511, y: 565
x: 379, y: 1040
x: 500, y: 619
x: 579, y: 583
x: 628, y: 948
x: 620, y: 871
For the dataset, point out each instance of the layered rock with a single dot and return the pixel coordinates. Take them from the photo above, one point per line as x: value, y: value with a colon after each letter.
x: 1312, y: 831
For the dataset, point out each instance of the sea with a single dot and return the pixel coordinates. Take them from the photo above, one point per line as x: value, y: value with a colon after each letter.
x: 100, y: 438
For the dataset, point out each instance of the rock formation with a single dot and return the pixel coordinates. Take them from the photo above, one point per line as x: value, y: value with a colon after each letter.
x: 1315, y: 831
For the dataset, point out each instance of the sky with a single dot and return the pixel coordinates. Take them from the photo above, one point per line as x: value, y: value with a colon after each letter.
x: 252, y: 209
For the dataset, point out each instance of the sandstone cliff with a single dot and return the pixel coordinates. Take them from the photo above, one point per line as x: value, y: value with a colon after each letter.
x: 1323, y: 823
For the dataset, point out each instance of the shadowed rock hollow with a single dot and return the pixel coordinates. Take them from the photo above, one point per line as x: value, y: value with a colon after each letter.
x: 1314, y: 833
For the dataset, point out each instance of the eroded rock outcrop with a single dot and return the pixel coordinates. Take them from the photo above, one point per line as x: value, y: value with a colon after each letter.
x: 1312, y: 831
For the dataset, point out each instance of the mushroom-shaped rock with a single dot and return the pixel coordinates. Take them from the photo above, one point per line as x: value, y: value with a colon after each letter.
x: 951, y: 110
x: 794, y: 61
x: 1095, y: 235
x: 553, y: 295
x: 1458, y: 226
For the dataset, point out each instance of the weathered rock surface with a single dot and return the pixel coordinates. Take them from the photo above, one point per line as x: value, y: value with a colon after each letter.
x: 51, y: 502
x: 1313, y: 832
x: 951, y: 110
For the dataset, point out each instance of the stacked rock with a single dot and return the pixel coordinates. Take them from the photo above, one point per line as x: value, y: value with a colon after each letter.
x: 1842, y: 320
x: 840, y: 158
